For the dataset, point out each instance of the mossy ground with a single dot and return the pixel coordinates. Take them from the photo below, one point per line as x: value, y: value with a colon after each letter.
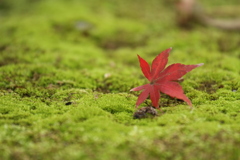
x: 66, y: 68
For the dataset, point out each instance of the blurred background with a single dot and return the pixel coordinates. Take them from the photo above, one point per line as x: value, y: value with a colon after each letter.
x: 107, y: 34
x: 114, y: 25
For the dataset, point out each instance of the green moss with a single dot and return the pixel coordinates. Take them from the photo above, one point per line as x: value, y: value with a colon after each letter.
x: 67, y: 67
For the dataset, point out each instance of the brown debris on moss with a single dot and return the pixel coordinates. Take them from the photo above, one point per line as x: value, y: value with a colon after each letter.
x: 145, y: 112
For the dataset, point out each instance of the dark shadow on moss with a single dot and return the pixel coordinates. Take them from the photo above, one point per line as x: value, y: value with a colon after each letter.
x: 228, y: 44
x: 6, y: 55
x: 104, y: 87
x: 209, y: 87
x: 73, y: 30
x: 167, y: 101
x: 122, y: 39
x: 9, y: 60
x: 114, y: 84
x: 3, y: 47
x: 7, y: 6
x: 113, y: 44
x: 18, y: 53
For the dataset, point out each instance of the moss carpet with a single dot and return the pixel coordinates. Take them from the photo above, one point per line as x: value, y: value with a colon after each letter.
x: 66, y: 68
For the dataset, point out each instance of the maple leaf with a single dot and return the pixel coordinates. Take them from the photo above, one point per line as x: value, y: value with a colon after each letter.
x: 162, y: 80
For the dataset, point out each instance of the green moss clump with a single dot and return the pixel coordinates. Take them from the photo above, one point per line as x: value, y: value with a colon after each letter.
x: 67, y: 67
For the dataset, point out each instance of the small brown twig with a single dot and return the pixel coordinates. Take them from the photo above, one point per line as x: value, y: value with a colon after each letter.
x: 189, y: 11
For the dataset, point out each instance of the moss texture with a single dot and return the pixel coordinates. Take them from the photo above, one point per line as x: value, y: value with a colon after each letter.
x: 66, y: 68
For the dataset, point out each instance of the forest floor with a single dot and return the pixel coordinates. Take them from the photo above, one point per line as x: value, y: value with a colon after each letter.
x: 67, y: 67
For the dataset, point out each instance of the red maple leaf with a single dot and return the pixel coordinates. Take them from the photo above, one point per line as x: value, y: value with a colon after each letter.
x: 162, y: 80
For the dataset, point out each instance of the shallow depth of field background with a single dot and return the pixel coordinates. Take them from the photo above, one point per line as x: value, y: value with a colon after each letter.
x: 66, y: 68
